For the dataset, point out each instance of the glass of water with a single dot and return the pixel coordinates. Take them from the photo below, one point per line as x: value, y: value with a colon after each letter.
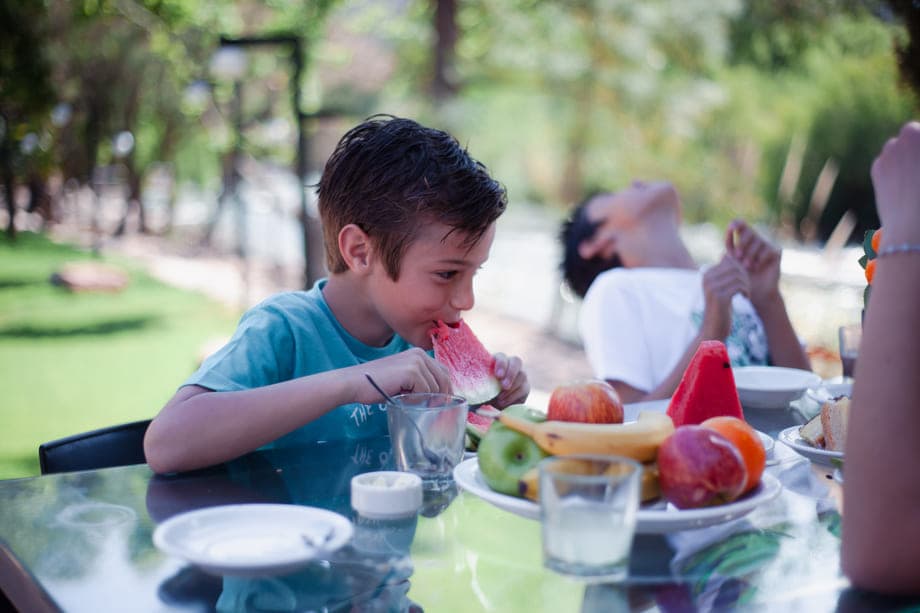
x: 588, y: 508
x: 427, y: 432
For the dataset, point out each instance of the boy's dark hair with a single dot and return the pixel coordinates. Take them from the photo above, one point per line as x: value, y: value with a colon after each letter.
x: 578, y: 272
x: 390, y: 176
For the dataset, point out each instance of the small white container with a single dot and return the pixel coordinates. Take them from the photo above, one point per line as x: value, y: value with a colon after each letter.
x: 386, y: 494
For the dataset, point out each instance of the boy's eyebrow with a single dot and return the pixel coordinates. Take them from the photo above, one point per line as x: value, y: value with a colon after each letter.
x: 456, y: 262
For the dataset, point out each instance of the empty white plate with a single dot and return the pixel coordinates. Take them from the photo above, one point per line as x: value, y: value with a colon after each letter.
x: 252, y: 540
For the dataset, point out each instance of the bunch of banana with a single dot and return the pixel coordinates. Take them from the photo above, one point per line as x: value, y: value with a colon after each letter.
x: 638, y: 440
x: 529, y: 483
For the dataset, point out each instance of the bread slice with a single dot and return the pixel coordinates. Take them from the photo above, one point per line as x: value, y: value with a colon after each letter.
x: 813, y: 432
x: 835, y: 415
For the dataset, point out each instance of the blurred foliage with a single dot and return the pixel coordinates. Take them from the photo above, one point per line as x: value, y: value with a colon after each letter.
x: 558, y: 99
x: 72, y: 362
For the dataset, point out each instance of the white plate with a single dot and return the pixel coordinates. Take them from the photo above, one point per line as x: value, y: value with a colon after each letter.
x: 252, y: 540
x: 790, y: 436
x: 772, y: 387
x: 767, y: 441
x: 656, y: 518
x: 829, y: 391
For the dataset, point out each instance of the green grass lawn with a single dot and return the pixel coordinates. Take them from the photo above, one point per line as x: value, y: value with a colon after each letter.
x: 71, y: 362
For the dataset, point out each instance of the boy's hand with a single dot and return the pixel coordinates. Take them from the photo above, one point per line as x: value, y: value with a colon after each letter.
x: 720, y: 283
x: 513, y: 379
x: 760, y: 259
x: 412, y: 370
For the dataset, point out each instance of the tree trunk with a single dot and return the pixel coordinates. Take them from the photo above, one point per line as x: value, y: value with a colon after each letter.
x: 8, y: 187
x: 443, y: 83
x: 134, y: 199
x: 6, y: 169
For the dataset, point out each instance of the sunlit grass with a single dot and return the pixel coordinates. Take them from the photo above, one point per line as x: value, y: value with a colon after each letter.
x: 71, y: 362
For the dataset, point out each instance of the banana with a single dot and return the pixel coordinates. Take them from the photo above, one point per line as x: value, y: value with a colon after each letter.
x: 639, y: 439
x: 529, y: 483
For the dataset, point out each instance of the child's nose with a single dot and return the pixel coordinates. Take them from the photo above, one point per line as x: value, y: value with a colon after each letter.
x: 462, y: 297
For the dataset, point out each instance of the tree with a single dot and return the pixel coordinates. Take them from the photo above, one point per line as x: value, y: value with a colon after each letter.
x: 25, y: 89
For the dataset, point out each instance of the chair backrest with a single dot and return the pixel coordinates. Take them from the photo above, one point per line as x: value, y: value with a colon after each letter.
x: 113, y: 446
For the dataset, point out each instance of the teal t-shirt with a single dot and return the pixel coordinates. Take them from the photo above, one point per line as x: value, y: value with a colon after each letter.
x: 290, y: 335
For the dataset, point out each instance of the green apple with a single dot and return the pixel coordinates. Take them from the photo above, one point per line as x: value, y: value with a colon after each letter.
x: 525, y: 412
x: 504, y: 456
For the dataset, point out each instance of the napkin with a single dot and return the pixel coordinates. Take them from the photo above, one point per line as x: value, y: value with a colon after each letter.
x: 717, y: 558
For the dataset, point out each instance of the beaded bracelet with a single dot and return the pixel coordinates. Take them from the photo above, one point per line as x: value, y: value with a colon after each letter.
x: 902, y: 248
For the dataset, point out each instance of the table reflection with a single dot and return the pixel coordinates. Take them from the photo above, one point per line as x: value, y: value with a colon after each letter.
x: 371, y: 571
x: 86, y: 539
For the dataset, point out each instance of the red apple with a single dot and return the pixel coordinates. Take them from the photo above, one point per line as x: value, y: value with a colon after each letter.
x: 699, y: 467
x: 591, y: 401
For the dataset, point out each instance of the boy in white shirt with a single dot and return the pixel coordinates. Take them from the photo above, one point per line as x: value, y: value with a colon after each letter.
x: 647, y: 305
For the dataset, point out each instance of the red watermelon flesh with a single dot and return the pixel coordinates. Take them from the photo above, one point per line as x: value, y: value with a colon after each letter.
x: 707, y: 388
x: 477, y: 425
x: 467, y: 362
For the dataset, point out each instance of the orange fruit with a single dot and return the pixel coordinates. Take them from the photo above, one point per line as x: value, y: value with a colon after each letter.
x: 876, y: 239
x: 745, y: 438
x: 870, y: 271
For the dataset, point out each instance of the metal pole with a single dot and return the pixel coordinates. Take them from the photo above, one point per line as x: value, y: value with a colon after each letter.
x: 241, y: 234
x: 297, y: 60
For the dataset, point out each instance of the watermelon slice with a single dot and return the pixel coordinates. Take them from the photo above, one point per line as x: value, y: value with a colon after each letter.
x: 467, y: 362
x: 707, y: 388
x: 477, y: 424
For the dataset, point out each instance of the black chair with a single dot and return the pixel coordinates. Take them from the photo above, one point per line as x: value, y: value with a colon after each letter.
x: 113, y: 446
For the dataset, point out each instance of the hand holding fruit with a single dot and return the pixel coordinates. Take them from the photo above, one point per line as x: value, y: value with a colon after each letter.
x: 513, y: 380
x: 412, y: 370
x: 760, y: 259
x: 720, y: 283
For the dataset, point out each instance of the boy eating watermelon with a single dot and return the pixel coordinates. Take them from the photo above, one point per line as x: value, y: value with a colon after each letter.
x: 408, y: 218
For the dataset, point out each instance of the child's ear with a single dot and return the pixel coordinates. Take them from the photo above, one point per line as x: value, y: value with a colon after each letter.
x: 356, y: 248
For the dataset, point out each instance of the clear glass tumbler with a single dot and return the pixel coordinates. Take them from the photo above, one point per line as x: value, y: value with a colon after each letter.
x: 427, y: 432
x: 849, y: 338
x: 588, y: 508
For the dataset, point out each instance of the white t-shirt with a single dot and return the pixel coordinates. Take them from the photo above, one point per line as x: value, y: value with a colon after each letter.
x: 637, y: 323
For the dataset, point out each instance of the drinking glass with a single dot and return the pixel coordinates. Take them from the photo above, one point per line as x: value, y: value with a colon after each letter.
x: 849, y: 338
x: 588, y: 508
x: 427, y: 432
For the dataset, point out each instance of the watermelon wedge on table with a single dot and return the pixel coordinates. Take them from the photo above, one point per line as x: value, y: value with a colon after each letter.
x: 477, y: 424
x: 468, y: 362
x: 707, y: 388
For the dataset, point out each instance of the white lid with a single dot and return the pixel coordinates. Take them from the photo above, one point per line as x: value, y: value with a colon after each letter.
x: 386, y: 494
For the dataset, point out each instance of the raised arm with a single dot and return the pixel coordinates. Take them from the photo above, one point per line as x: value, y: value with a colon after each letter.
x: 881, y: 522
x: 199, y: 427
x: 761, y: 260
x: 720, y: 283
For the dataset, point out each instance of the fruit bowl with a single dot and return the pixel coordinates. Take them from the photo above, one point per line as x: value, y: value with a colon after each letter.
x: 771, y: 387
x: 658, y: 517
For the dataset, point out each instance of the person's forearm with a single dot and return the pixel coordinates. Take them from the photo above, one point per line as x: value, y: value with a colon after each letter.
x: 881, y: 524
x: 782, y: 341
x: 208, y: 428
x: 666, y: 388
